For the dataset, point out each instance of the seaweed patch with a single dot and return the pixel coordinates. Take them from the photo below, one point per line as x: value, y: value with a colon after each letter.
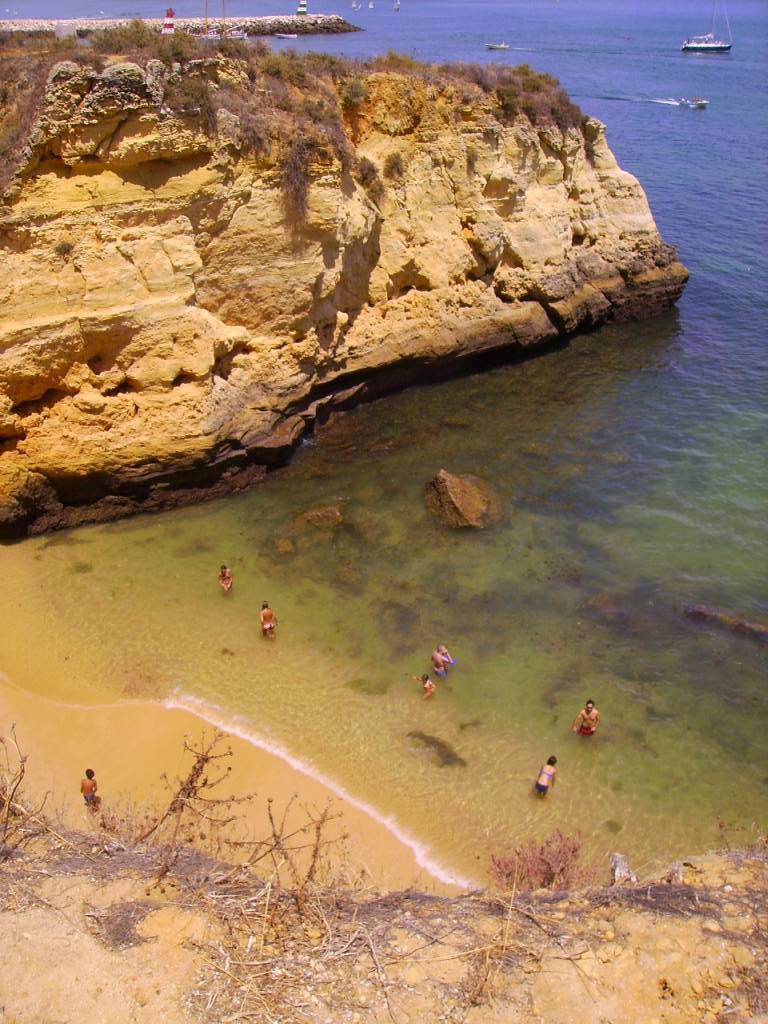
x: 444, y: 752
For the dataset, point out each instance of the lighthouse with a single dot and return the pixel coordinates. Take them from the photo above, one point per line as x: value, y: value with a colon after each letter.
x: 168, y: 27
x: 302, y: 8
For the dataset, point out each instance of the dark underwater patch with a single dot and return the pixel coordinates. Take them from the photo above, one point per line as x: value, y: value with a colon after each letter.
x: 444, y: 753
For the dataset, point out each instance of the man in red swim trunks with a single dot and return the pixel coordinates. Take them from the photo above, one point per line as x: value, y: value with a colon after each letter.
x: 587, y: 720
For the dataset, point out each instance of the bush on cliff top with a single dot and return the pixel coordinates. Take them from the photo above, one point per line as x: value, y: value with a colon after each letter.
x: 287, y: 95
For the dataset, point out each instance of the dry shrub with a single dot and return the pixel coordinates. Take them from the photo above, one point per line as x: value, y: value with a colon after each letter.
x: 295, y: 177
x: 353, y: 94
x: 553, y: 863
x: 192, y: 96
x: 394, y: 166
x: 367, y: 173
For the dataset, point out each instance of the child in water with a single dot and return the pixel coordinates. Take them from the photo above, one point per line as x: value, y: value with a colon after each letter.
x: 546, y: 779
x: 427, y: 686
x: 225, y: 579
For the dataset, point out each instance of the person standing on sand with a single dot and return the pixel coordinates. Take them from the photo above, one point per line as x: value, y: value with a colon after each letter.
x: 88, y: 788
x: 225, y: 579
x: 587, y: 720
x: 268, y: 620
x: 547, y: 776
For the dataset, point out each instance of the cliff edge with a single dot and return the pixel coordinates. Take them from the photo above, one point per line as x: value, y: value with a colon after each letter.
x: 199, y: 257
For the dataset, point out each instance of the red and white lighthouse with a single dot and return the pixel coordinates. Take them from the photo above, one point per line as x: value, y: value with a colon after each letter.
x: 168, y: 27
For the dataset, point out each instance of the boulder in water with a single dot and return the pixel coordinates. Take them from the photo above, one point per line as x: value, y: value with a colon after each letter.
x: 461, y: 501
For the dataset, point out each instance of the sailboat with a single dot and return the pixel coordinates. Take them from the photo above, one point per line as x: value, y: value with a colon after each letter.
x: 214, y: 35
x: 709, y: 43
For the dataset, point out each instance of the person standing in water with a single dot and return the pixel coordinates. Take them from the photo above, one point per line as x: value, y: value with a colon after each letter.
x: 587, y: 720
x: 427, y: 686
x: 268, y: 620
x: 88, y: 788
x: 442, y: 660
x: 547, y: 776
x: 225, y: 579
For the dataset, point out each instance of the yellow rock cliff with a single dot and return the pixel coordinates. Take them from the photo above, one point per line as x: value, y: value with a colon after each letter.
x: 164, y: 322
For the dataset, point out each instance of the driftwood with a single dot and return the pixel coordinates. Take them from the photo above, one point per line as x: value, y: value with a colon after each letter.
x: 620, y: 870
x: 702, y: 613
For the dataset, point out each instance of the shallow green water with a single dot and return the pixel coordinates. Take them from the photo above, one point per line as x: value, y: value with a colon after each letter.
x: 602, y: 496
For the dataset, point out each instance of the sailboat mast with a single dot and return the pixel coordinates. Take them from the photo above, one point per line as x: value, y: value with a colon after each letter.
x: 206, y: 15
x: 714, y: 7
x: 727, y: 22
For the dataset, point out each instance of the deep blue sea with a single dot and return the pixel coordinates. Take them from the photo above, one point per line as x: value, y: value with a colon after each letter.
x: 634, y: 464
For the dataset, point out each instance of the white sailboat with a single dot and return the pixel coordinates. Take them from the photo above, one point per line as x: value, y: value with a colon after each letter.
x: 709, y: 43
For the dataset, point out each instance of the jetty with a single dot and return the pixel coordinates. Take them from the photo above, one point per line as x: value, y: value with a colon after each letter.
x: 269, y: 25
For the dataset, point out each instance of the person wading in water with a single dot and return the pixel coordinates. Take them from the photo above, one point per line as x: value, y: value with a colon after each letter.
x: 587, y: 720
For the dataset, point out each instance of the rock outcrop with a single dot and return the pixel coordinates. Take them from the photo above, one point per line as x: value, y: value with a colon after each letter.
x: 462, y: 501
x: 162, y: 323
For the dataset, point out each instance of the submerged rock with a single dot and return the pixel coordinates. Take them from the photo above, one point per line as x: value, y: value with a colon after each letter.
x: 462, y: 501
x: 754, y: 630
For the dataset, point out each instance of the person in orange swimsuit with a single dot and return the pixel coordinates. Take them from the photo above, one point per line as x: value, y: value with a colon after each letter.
x: 427, y: 686
x: 587, y: 720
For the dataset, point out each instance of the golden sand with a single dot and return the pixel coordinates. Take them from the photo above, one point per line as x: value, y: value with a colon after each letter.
x: 132, y: 745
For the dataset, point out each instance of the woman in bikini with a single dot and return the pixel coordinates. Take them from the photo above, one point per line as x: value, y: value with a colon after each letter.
x: 547, y: 776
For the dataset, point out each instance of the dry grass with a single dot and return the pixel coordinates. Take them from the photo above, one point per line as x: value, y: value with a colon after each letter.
x: 311, y: 97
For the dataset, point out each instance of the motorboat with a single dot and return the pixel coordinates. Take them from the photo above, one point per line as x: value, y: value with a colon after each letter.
x: 497, y: 46
x: 695, y: 102
x: 286, y: 35
x: 709, y: 43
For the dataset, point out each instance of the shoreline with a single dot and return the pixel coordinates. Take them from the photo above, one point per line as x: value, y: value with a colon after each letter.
x: 264, y: 25
x: 58, y: 736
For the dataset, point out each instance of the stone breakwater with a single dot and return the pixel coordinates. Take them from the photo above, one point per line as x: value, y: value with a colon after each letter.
x: 304, y: 25
x: 165, y: 324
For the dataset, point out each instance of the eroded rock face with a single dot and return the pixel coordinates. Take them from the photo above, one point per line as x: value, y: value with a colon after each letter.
x: 462, y: 501
x: 160, y: 324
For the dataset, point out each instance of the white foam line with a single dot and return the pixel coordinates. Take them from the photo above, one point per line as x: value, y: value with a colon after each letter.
x: 237, y: 726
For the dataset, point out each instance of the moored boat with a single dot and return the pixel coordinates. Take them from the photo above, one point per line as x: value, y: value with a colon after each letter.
x: 709, y: 43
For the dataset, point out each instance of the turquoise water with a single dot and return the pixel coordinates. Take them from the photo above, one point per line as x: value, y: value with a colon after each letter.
x: 633, y: 474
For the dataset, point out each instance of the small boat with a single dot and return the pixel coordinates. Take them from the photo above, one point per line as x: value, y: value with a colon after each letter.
x: 235, y: 33
x: 695, y: 102
x: 709, y: 43
x: 396, y: 6
x: 370, y: 5
x: 286, y: 35
x: 497, y: 46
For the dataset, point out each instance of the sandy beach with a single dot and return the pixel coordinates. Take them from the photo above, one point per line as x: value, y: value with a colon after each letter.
x: 132, y: 745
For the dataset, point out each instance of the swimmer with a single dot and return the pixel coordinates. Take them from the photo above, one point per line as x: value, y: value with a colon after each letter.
x: 225, y: 579
x: 587, y: 720
x: 427, y: 686
x: 268, y: 620
x: 442, y: 660
x: 88, y: 788
x: 546, y: 779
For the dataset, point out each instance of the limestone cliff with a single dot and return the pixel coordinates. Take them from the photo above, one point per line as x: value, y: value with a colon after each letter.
x: 164, y: 321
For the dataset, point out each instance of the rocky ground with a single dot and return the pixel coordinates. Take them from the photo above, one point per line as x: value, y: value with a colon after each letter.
x: 89, y: 933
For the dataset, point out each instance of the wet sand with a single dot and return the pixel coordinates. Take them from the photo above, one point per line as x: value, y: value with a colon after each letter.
x: 132, y: 745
